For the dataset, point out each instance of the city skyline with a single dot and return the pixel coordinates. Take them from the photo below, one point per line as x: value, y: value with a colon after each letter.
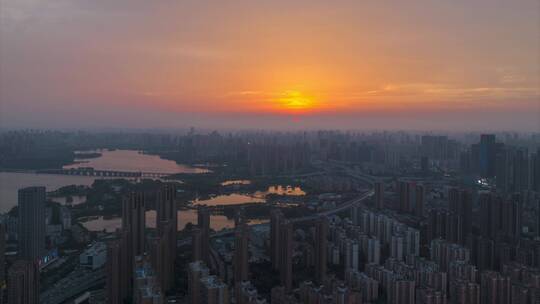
x: 419, y: 65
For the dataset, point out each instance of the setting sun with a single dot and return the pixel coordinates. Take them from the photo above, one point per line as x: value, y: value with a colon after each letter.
x: 296, y: 101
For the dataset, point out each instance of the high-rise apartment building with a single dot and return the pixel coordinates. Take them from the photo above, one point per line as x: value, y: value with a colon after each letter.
x: 379, y: 194
x: 460, y: 203
x: 213, y: 291
x: 203, y: 222
x: 286, y: 252
x: 494, y: 288
x: 167, y: 217
x: 23, y: 282
x: 133, y: 221
x: 276, y: 217
x: 321, y: 247
x: 196, y: 271
x: 32, y: 223
x: 196, y: 244
x: 241, y: 253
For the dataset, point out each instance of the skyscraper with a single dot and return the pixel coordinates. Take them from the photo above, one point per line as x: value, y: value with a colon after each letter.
x: 487, y: 151
x: 23, y: 282
x: 116, y: 282
x: 494, y: 288
x: 133, y: 221
x: 146, y: 288
x: 196, y: 239
x: 460, y: 203
x: 213, y: 291
x: 203, y: 221
x: 465, y: 292
x: 276, y: 216
x: 166, y: 209
x: 286, y: 252
x: 133, y: 237
x: 511, y: 216
x: 490, y: 214
x: 404, y: 196
x: 321, y: 244
x: 514, y: 171
x: 420, y: 193
x: 2, y: 260
x: 402, y: 291
x: 379, y: 194
x: 161, y: 259
x: 196, y: 271
x: 32, y: 223
x: 535, y: 171
x: 167, y: 224
x: 241, y: 254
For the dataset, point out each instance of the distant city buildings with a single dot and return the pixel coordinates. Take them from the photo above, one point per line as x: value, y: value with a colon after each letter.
x: 426, y: 232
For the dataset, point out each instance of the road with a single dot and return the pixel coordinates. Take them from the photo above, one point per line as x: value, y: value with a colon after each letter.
x: 72, y: 285
x: 339, y: 209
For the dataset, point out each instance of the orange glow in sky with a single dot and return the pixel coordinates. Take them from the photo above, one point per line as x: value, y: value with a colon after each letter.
x: 295, y: 101
x: 115, y: 62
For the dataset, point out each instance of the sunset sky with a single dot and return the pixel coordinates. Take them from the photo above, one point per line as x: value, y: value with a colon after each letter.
x: 419, y: 64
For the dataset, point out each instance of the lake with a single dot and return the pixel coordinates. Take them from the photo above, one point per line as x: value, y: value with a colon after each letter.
x: 229, y: 199
x: 257, y: 197
x: 217, y: 222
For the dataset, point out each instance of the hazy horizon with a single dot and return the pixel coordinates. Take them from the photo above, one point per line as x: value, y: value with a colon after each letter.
x: 419, y: 65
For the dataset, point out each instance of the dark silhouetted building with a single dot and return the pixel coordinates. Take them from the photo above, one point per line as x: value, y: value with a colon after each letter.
x: 379, y: 194
x: 460, y: 203
x: 402, y: 291
x: 196, y: 271
x: 286, y: 252
x: 133, y: 221
x: 514, y: 170
x: 2, y: 261
x: 511, y: 216
x: 161, y: 257
x: 32, y: 223
x: 203, y: 221
x: 164, y: 253
x: 490, y: 214
x: 487, y: 152
x: 117, y: 273
x: 276, y: 217
x: 494, y: 288
x: 23, y: 282
x: 535, y: 171
x: 411, y: 197
x: 166, y: 214
x: 213, y: 291
x: 196, y: 243
x: 321, y: 244
x: 420, y: 193
x: 241, y: 253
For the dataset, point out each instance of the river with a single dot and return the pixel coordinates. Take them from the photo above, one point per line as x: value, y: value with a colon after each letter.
x: 132, y: 161
x: 116, y: 160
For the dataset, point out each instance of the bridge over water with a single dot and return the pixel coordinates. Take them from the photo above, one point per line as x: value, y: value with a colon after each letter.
x: 104, y: 173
